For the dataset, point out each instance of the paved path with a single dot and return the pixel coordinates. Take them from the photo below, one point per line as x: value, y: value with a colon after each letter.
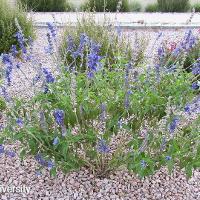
x: 127, y: 20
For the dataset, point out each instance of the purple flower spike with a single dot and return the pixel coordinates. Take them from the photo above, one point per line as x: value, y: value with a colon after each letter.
x: 102, y: 147
x: 52, y: 29
x: 11, y: 154
x: 195, y: 86
x: 173, y: 125
x: 48, y: 75
x: 59, y: 117
x: 2, y: 149
x: 196, y: 69
x: 20, y: 122
x: 38, y: 173
x: 50, y: 164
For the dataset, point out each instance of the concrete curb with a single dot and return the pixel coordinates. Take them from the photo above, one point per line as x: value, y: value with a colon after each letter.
x: 123, y: 20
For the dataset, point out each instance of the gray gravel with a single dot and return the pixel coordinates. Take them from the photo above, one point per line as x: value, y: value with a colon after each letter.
x: 82, y: 185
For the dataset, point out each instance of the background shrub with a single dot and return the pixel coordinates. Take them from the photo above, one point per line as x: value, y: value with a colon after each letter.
x: 196, y: 7
x: 110, y: 5
x: 173, y: 5
x: 152, y: 8
x: 47, y: 5
x: 8, y: 26
x: 135, y: 6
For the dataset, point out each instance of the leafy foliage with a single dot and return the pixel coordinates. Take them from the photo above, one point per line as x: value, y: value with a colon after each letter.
x: 75, y: 117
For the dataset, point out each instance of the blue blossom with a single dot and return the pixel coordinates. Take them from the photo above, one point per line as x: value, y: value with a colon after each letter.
x: 161, y: 52
x: 14, y: 50
x: 50, y: 48
x: 83, y: 41
x: 148, y: 73
x: 173, y: 125
x: 22, y: 41
x: 187, y: 109
x: 11, y: 154
x: 2, y: 150
x: 196, y: 69
x: 55, y: 141
x: 52, y: 29
x: 93, y: 58
x: 127, y: 100
x: 167, y: 158
x: 171, y: 69
x: 20, y: 122
x: 176, y: 51
x: 36, y: 79
x: 38, y: 173
x: 70, y: 44
x: 6, y: 59
x: 143, y: 164
x: 195, y: 86
x: 189, y: 41
x: 103, y: 112
x: 157, y: 71
x: 5, y: 94
x: 163, y: 144
x: 159, y: 35
x: 40, y: 160
x: 48, y: 75
x: 127, y: 72
x: 46, y: 89
x: 50, y: 164
x: 18, y: 65
x: 9, y: 70
x: 90, y: 75
x: 102, y: 147
x: 119, y: 30
x: 59, y: 116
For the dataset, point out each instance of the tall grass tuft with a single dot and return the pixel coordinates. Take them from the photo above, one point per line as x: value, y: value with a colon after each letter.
x: 106, y: 5
x: 8, y: 27
x: 152, y: 7
x: 173, y: 5
x: 47, y: 5
x: 196, y: 7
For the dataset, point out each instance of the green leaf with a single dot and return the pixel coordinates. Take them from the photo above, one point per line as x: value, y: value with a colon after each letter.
x: 53, y: 172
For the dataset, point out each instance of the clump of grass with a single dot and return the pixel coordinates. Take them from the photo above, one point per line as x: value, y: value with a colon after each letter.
x: 106, y: 5
x: 135, y: 6
x: 8, y: 27
x: 196, y: 7
x: 173, y: 5
x: 152, y: 7
x: 47, y: 5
